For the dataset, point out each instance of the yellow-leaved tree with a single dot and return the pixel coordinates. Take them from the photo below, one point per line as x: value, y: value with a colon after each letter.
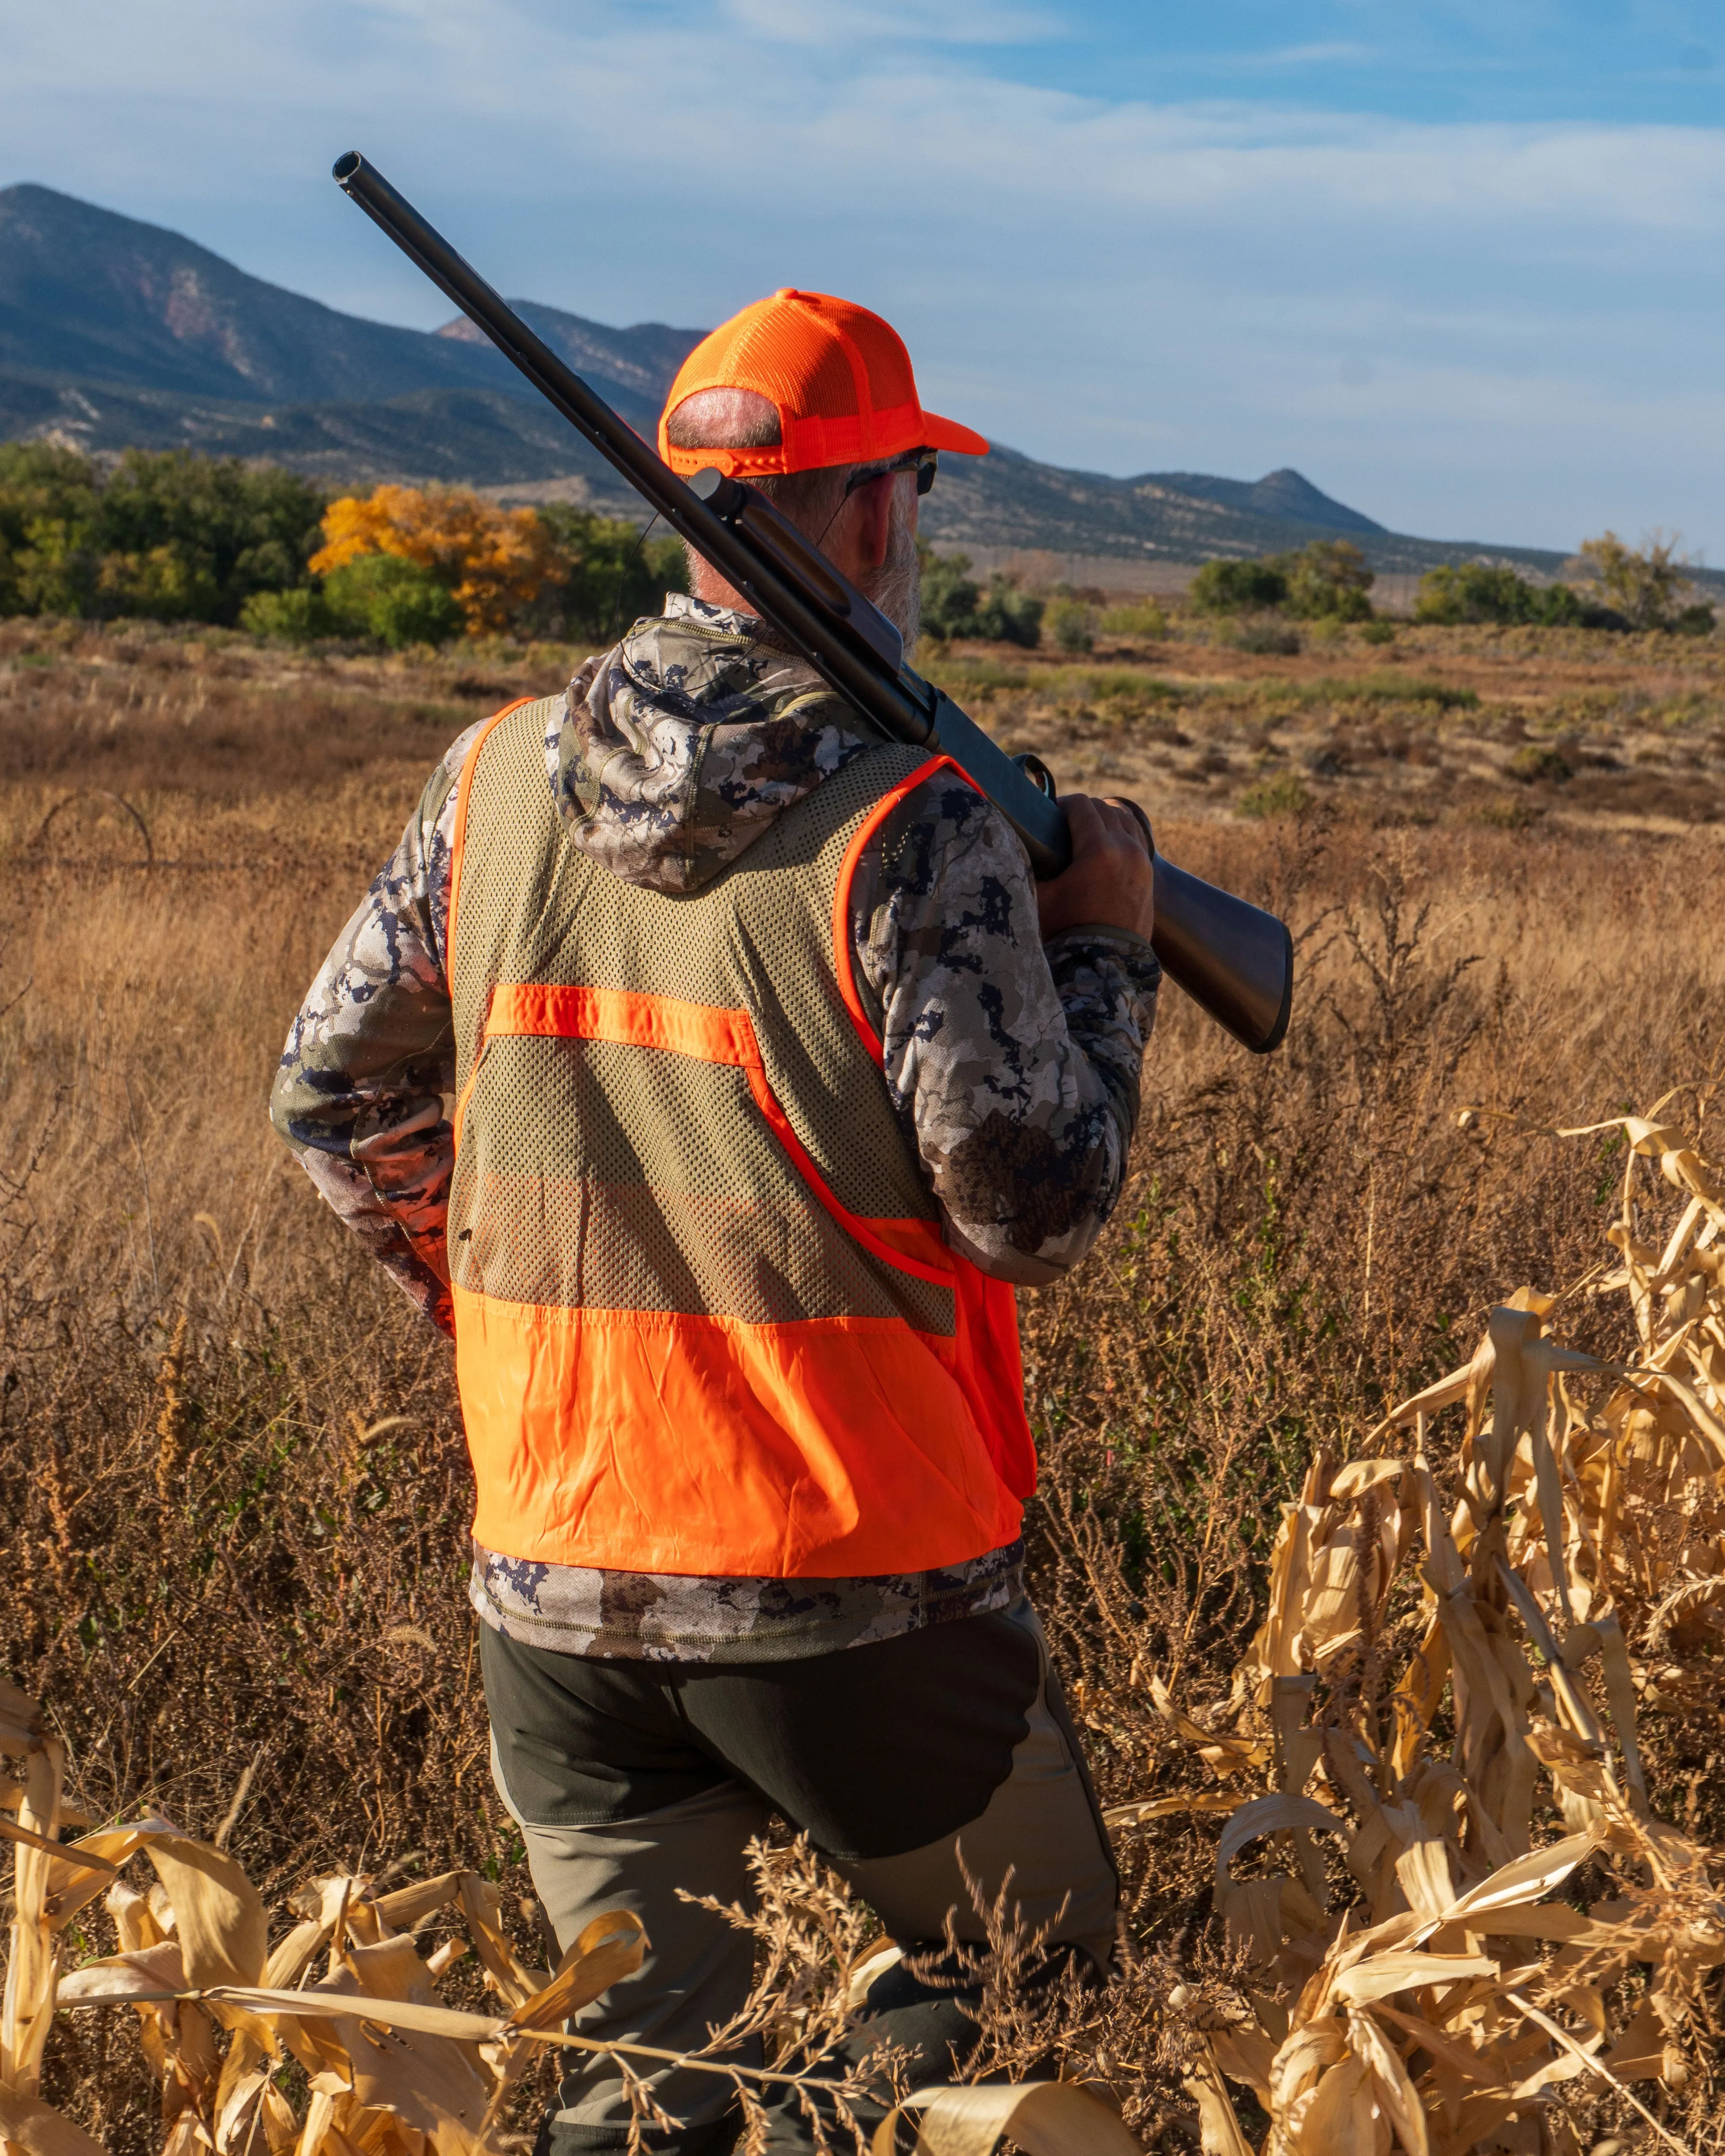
x: 492, y: 561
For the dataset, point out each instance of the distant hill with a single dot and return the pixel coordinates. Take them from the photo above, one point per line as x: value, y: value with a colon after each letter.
x: 90, y: 298
x: 635, y: 365
x: 116, y: 334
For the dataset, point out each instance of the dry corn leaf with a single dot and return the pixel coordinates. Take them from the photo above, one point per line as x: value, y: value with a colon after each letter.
x: 609, y: 1948
x: 1381, y: 1976
x: 1044, y: 2118
x: 1275, y: 1814
x: 1218, y: 2123
x: 219, y: 1919
x: 1396, y: 2095
x: 1222, y: 1801
x: 39, y: 2129
x: 432, y: 2086
x: 146, y: 1972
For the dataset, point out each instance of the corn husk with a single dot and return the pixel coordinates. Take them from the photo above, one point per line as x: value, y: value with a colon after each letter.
x: 1578, y: 1580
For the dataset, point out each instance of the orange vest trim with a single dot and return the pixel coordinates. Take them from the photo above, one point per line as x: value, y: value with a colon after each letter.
x: 844, y: 964
x: 986, y: 1355
x: 463, y: 794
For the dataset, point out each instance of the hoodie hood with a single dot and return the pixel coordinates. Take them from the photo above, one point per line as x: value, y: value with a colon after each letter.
x: 677, y: 749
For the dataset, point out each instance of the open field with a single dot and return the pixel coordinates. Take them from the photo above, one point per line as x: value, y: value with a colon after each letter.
x: 233, y: 1492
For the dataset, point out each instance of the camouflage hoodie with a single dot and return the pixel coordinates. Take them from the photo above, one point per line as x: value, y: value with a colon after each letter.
x: 1013, y: 1065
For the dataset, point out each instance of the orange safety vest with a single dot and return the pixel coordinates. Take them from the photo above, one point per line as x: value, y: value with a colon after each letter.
x: 706, y: 1318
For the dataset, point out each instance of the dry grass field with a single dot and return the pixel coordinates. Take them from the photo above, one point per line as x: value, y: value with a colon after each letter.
x: 232, y: 1489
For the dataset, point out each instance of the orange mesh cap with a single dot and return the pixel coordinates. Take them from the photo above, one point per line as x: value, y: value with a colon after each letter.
x: 840, y: 376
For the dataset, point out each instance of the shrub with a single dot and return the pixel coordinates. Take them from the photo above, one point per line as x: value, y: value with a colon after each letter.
x: 949, y: 593
x: 1472, y: 592
x: 1328, y: 580
x: 1376, y: 631
x: 1698, y: 621
x: 1264, y: 634
x: 397, y: 601
x: 1507, y: 813
x: 1494, y: 592
x: 1287, y: 795
x: 1146, y: 618
x: 1008, y: 615
x: 1234, y: 586
x: 1643, y: 584
x: 298, y: 616
x: 1537, y: 760
x: 1071, y: 622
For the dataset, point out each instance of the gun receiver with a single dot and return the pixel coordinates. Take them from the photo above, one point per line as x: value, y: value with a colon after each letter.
x: 1235, y: 961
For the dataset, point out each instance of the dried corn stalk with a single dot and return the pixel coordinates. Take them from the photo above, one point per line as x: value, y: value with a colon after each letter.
x: 1448, y: 2006
x: 391, y: 2071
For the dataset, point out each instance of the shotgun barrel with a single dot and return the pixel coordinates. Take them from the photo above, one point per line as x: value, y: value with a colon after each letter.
x: 1234, y: 960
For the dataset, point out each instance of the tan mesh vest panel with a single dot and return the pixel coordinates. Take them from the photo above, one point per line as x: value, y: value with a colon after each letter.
x: 606, y: 1176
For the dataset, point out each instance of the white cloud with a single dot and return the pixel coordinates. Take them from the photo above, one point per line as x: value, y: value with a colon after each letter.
x: 834, y: 22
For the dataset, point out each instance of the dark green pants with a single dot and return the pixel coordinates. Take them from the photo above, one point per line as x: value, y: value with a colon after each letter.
x: 631, y: 1780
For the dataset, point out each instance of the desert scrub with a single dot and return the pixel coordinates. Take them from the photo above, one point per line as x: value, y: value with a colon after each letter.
x: 1537, y: 760
x: 1284, y: 794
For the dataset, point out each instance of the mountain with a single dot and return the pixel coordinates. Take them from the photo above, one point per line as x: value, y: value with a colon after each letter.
x: 87, y: 297
x: 635, y: 367
x: 989, y: 501
x: 117, y: 334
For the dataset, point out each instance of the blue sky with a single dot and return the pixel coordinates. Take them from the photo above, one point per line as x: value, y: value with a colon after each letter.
x: 1459, y: 264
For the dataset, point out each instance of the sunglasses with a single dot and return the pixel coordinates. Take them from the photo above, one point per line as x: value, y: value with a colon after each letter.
x: 925, y: 463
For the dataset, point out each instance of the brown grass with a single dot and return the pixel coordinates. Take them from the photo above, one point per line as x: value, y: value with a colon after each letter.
x: 245, y: 1552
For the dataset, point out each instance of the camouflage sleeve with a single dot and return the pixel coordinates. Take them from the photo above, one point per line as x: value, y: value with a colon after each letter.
x: 363, y: 1093
x: 1014, y: 1065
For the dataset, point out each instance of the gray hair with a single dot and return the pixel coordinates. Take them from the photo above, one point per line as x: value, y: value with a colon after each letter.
x: 743, y: 419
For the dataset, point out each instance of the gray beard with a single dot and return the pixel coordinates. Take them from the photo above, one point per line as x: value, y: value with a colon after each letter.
x: 896, y: 588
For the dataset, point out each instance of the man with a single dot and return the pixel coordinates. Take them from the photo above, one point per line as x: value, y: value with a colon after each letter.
x: 712, y: 1070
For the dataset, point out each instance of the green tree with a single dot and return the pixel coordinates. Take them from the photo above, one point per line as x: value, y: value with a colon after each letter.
x: 608, y: 577
x: 177, y: 537
x: 1240, y: 587
x: 195, y: 537
x: 1007, y: 615
x: 48, y: 515
x: 1493, y: 592
x: 1645, y: 584
x: 1328, y: 580
x: 950, y: 594
x: 396, y: 601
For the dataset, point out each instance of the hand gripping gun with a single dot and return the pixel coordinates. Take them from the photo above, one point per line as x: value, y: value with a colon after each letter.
x: 1235, y: 961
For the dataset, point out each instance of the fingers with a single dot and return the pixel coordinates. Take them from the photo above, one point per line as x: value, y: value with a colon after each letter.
x: 1141, y: 822
x: 1105, y: 825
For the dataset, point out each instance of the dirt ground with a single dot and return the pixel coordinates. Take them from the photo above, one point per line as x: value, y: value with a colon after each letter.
x: 1506, y: 727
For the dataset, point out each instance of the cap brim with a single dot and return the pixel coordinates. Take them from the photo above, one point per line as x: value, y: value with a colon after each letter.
x: 939, y: 434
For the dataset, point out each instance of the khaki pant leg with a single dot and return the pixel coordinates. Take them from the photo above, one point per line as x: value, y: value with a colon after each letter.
x: 698, y: 1968
x: 1041, y: 1824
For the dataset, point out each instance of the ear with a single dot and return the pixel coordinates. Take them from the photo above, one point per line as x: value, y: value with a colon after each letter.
x: 871, y: 518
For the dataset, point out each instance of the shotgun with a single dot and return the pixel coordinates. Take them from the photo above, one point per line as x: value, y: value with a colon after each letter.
x: 1235, y: 961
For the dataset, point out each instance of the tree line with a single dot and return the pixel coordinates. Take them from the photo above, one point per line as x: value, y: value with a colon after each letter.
x: 168, y: 535
x: 1615, y: 585
x: 173, y: 536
